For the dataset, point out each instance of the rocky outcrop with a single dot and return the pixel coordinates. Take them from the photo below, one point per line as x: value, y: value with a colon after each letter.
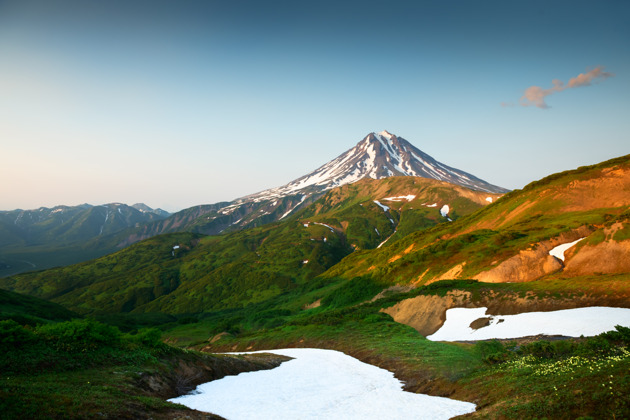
x: 533, y: 263
x: 192, y: 369
x: 427, y: 313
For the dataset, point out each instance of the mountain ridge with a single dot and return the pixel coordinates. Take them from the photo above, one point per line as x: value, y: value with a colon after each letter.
x: 376, y: 156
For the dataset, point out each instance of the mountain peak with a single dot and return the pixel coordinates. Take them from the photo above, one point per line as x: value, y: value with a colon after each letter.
x: 377, y: 155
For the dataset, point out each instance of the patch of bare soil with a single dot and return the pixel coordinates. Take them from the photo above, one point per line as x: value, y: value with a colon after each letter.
x: 315, y: 304
x: 604, y: 258
x: 480, y: 323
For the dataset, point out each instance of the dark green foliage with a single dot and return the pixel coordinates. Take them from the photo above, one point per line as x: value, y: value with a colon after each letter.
x: 14, y: 335
x: 619, y: 335
x: 79, y: 335
x: 71, y: 345
x: 353, y: 291
x: 492, y: 351
x: 28, y: 310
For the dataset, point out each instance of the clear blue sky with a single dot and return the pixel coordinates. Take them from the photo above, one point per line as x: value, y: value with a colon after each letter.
x: 191, y: 102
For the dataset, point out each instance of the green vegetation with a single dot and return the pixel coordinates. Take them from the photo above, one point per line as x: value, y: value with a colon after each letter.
x: 210, y: 273
x: 28, y: 310
x: 85, y: 369
x: 310, y: 280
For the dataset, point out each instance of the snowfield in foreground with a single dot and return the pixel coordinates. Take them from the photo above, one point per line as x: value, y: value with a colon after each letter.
x: 569, y: 322
x: 318, y: 384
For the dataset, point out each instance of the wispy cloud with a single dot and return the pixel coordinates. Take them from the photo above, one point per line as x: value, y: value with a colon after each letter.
x: 535, y: 95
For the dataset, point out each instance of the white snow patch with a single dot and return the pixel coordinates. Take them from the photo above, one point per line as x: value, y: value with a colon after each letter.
x: 377, y: 232
x: 489, y: 199
x: 444, y: 210
x: 57, y: 211
x: 588, y: 321
x: 401, y: 198
x: 237, y: 221
x: 305, y: 262
x: 430, y: 205
x: 558, y: 251
x: 324, y: 224
x: 318, y: 384
x: 305, y: 224
x: 383, y: 243
x: 286, y: 214
x: 384, y: 207
x: 176, y: 247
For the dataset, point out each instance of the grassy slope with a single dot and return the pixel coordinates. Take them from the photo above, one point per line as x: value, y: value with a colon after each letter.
x: 588, y: 197
x: 30, y: 310
x: 503, y: 390
x: 84, y: 369
x: 251, y: 266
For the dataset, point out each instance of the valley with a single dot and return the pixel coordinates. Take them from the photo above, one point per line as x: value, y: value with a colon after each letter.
x: 369, y: 267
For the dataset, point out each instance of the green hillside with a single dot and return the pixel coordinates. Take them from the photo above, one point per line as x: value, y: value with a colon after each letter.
x: 319, y: 279
x: 30, y: 310
x: 249, y: 266
x: 592, y: 202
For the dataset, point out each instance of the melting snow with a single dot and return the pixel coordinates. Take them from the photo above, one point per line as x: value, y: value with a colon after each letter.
x: 430, y: 205
x: 176, y: 247
x: 489, y: 199
x: 323, y: 224
x: 385, y: 208
x: 376, y: 230
x: 558, y: 251
x: 318, y: 384
x: 305, y: 224
x: 569, y: 322
x: 305, y: 262
x: 401, y: 198
x: 383, y: 243
x: 444, y: 210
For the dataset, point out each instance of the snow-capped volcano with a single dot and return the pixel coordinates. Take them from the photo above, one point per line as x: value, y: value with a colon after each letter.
x: 378, y: 155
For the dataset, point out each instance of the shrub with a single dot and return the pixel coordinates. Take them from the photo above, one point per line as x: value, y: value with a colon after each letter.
x: 492, y: 351
x: 79, y: 335
x: 149, y: 337
x: 14, y: 335
x: 621, y: 334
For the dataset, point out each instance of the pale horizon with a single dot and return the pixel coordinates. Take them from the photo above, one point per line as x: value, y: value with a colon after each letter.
x: 203, y: 102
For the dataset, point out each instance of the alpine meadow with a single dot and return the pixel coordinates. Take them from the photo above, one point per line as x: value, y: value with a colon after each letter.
x: 478, y: 267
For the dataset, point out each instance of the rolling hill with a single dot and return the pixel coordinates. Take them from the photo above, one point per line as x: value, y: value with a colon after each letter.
x: 62, y: 235
x: 186, y: 272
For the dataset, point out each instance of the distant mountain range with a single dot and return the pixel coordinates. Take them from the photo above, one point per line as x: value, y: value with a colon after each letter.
x: 45, y: 237
x: 97, y: 230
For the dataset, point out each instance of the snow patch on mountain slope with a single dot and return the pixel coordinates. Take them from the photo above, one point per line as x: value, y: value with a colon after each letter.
x: 558, y: 251
x: 588, y: 321
x: 401, y: 198
x: 384, y: 207
x: 319, y: 384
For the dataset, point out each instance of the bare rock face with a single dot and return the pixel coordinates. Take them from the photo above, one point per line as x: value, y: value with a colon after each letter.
x: 527, y: 265
x: 427, y: 314
x: 533, y: 263
x: 604, y: 258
